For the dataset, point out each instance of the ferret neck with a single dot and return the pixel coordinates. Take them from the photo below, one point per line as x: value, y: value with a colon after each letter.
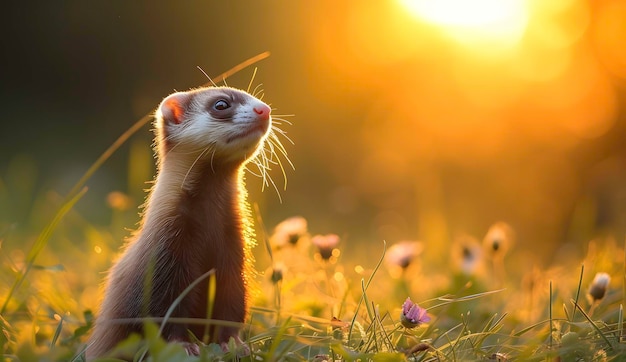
x: 204, y: 185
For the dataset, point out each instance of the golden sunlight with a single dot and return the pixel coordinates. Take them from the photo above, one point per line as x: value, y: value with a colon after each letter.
x: 496, y: 22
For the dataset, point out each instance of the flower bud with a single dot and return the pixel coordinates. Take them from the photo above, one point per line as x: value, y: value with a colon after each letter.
x: 598, y: 287
x: 413, y: 315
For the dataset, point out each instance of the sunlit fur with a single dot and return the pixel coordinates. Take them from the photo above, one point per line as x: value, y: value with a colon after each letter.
x: 194, y: 149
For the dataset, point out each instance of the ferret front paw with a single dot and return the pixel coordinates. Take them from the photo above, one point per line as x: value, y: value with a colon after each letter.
x: 192, y: 349
x: 242, y: 349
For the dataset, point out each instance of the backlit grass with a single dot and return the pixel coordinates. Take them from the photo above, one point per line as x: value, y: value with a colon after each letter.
x: 316, y: 299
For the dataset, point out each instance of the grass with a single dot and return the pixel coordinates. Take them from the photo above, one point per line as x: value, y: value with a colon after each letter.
x: 308, y: 307
x: 314, y: 299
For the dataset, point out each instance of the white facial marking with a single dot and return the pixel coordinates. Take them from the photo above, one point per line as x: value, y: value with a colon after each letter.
x: 231, y: 123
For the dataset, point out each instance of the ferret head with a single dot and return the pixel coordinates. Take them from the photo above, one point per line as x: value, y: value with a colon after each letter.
x: 223, y: 124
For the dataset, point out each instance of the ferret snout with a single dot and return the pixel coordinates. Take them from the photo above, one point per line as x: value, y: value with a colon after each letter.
x: 263, y: 110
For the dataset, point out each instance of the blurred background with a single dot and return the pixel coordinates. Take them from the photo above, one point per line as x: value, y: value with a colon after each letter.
x: 414, y: 119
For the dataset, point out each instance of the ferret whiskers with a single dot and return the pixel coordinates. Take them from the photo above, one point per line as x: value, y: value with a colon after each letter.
x: 206, y: 75
x: 212, y: 156
x: 252, y: 80
x: 193, y: 164
x: 280, y: 164
x: 258, y: 92
x: 271, y: 153
x: 262, y: 161
x: 278, y: 117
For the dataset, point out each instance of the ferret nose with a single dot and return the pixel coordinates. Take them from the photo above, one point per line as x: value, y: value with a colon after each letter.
x: 263, y: 110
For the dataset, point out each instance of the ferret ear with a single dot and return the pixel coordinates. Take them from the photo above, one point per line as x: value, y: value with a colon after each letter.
x: 172, y: 109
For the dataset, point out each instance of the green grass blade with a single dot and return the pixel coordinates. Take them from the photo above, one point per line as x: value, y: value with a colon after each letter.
x: 550, y: 311
x: 567, y: 315
x: 531, y: 327
x: 466, y: 298
x: 177, y: 301
x: 79, y: 355
x: 277, y: 338
x: 366, y: 301
x: 210, y: 304
x: 493, y: 324
x: 594, y: 325
x: 182, y: 295
x: 620, y: 323
x: 580, y: 282
x: 56, y: 335
x: 384, y: 333
x: 246, y: 63
x: 380, y: 261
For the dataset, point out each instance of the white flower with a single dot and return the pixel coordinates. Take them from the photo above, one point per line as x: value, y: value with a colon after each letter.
x: 598, y: 287
x: 499, y: 240
x: 467, y: 254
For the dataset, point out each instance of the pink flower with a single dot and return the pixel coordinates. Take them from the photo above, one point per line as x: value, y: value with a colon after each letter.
x: 289, y: 232
x: 401, y: 254
x: 325, y: 244
x: 413, y: 315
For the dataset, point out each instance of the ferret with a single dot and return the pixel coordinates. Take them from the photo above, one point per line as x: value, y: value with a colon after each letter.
x: 195, y: 219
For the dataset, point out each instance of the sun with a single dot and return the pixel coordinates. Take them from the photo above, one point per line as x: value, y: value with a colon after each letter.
x: 498, y: 22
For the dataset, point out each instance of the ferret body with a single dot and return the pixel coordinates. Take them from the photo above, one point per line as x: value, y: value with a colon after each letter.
x: 195, y: 219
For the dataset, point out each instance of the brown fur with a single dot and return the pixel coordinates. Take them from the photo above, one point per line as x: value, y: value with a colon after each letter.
x: 195, y: 219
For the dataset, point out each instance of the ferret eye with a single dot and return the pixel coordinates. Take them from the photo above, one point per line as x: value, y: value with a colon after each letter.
x: 221, y: 105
